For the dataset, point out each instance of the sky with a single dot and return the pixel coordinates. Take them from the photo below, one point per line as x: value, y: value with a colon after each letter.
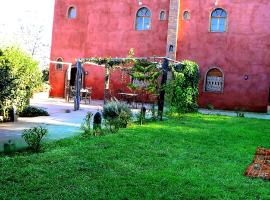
x: 20, y: 19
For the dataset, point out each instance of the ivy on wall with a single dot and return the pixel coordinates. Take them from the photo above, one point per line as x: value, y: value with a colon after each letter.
x: 182, y: 90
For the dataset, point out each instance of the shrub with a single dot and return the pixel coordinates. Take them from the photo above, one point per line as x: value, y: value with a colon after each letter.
x: 210, y: 107
x: 9, y: 147
x: 86, y: 124
x: 182, y: 90
x: 240, y: 113
x: 31, y: 111
x: 141, y: 116
x: 33, y: 137
x: 117, y: 115
x: 20, y: 76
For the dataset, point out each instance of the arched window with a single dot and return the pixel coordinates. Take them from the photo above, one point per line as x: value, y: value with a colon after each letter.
x: 162, y: 15
x: 72, y: 13
x: 59, y: 66
x: 218, y: 20
x: 171, y: 48
x: 186, y: 15
x: 214, y: 80
x: 143, y: 19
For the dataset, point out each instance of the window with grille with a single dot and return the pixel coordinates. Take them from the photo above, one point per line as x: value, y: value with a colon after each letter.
x: 214, y: 81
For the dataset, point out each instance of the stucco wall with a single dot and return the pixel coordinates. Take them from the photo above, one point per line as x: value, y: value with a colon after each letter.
x: 242, y: 50
x: 104, y: 29
x: 107, y: 28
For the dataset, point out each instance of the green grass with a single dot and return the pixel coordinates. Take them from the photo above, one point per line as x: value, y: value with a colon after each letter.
x: 195, y: 157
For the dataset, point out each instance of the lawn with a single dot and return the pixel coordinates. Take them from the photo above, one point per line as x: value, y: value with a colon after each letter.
x: 194, y: 157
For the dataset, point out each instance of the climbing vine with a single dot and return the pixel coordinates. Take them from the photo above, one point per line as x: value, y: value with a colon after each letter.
x: 182, y: 90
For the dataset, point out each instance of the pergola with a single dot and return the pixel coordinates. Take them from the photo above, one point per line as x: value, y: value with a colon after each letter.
x: 108, y: 63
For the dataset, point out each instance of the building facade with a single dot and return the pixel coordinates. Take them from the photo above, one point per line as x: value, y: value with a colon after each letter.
x: 230, y: 41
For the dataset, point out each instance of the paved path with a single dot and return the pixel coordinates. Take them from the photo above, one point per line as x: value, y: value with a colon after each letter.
x: 60, y: 124
x: 233, y: 114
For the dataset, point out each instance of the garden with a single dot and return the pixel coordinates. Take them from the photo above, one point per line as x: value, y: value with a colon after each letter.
x: 192, y: 157
x: 165, y: 151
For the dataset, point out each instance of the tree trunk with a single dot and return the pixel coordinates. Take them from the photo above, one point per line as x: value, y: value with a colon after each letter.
x: 161, y: 98
x: 106, y: 84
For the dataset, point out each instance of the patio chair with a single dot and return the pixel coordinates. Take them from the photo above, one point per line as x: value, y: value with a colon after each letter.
x: 72, y: 93
x: 86, y: 94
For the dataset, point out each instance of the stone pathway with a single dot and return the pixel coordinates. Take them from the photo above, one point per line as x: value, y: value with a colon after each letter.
x: 233, y: 114
x: 60, y: 124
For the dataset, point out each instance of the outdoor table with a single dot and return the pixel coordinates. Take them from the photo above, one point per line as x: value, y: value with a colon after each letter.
x: 86, y: 94
x: 130, y: 97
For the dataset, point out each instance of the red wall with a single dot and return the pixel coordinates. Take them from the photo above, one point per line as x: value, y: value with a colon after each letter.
x: 242, y: 50
x: 107, y: 28
x: 103, y: 29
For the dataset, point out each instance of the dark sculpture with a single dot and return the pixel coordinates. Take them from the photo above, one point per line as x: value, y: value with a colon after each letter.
x: 97, y: 121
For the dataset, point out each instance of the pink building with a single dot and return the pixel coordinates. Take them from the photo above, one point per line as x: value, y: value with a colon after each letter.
x: 229, y: 39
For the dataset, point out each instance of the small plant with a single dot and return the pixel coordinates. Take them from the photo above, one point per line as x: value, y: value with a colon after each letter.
x: 33, y: 137
x: 154, y: 113
x: 141, y: 116
x: 117, y: 115
x: 210, y: 107
x: 240, y: 113
x: 9, y: 147
x: 86, y: 124
x: 31, y: 111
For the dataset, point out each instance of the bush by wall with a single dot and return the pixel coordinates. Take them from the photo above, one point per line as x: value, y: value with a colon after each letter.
x: 182, y: 90
x: 31, y: 111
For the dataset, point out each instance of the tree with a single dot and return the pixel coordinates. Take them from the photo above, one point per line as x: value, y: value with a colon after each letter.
x: 20, y: 76
x: 33, y: 40
x: 7, y: 83
x: 145, y: 76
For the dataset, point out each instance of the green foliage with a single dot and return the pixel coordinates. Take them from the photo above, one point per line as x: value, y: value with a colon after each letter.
x: 117, y: 115
x: 147, y: 74
x: 154, y: 113
x: 19, y: 78
x: 8, y: 85
x: 141, y: 115
x: 33, y: 137
x: 45, y: 75
x: 9, y: 147
x: 108, y: 62
x: 210, y: 107
x: 31, y: 111
x: 240, y: 112
x: 86, y: 124
x: 182, y: 90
